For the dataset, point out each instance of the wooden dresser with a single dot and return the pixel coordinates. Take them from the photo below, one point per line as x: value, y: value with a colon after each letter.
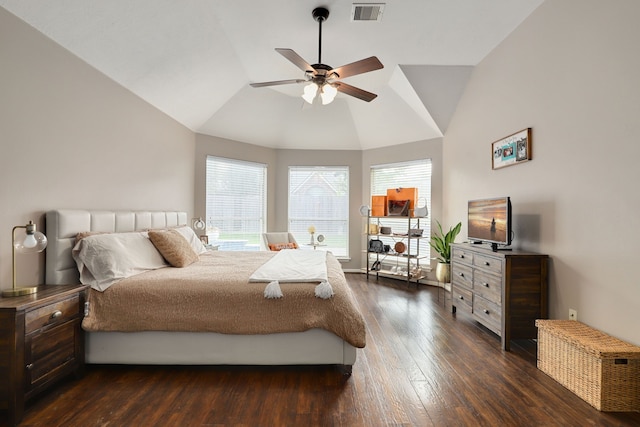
x: 41, y: 341
x: 506, y: 291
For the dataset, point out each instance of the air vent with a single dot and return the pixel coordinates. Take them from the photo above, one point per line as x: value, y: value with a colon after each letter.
x: 367, y: 12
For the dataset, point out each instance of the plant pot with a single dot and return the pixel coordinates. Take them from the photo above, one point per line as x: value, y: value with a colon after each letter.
x: 443, y: 272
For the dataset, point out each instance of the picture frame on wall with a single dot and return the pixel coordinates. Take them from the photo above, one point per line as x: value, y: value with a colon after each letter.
x: 511, y: 150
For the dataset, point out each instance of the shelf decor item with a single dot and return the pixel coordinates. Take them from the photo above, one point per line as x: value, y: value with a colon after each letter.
x: 378, y: 206
x: 33, y: 241
x: 511, y: 150
x: 441, y: 243
x: 421, y: 211
x: 312, y: 231
x: 407, y: 195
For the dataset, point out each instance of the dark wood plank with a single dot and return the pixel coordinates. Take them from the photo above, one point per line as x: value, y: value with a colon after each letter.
x: 422, y: 366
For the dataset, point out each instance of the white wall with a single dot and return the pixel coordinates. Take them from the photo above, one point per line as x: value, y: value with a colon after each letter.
x: 570, y: 72
x: 72, y: 138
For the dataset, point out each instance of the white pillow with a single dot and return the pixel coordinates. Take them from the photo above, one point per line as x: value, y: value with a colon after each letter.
x: 193, y: 240
x: 105, y: 259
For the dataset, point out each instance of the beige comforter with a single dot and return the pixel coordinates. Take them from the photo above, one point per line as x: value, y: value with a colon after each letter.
x: 215, y: 295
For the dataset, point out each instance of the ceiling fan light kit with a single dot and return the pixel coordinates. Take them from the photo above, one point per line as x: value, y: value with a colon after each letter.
x: 323, y: 80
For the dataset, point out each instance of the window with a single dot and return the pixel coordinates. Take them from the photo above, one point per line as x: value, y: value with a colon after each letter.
x: 319, y: 197
x: 416, y: 173
x: 236, y: 203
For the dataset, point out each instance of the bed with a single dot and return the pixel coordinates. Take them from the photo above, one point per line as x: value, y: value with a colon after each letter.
x: 118, y: 341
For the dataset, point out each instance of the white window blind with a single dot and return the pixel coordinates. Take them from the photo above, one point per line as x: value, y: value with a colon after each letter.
x: 415, y: 173
x: 319, y: 197
x: 236, y: 203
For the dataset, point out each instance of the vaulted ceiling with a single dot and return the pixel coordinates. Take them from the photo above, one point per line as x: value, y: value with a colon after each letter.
x: 194, y: 61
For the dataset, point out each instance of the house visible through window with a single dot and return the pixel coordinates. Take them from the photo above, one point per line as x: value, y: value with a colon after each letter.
x: 319, y: 198
x: 415, y: 173
x: 235, y: 203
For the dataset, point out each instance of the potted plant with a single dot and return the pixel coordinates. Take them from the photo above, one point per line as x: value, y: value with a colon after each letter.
x: 441, y: 242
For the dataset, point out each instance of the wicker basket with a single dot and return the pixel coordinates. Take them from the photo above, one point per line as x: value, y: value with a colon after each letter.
x: 602, y: 370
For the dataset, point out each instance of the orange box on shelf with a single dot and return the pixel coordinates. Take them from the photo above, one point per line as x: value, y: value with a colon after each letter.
x: 378, y: 205
x: 408, y: 193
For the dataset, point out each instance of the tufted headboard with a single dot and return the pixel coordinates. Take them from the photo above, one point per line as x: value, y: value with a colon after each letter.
x: 63, y: 225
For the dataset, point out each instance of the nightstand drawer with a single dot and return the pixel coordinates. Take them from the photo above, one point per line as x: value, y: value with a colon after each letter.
x: 52, y: 314
x: 50, y: 352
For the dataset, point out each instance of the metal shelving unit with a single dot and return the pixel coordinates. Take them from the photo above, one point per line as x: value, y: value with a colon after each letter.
x: 405, y: 265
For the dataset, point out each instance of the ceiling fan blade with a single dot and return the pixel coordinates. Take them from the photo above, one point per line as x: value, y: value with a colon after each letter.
x: 296, y: 59
x: 278, y: 82
x: 363, y: 66
x: 354, y: 91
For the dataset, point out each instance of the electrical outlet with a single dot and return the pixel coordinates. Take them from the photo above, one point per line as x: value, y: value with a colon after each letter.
x: 573, y: 314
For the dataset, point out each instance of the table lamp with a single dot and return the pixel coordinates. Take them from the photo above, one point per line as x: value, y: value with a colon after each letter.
x: 33, y: 241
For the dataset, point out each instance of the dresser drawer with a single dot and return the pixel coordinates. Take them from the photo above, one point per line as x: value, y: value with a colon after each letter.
x: 488, y: 313
x: 488, y: 263
x: 487, y: 286
x: 462, y: 255
x: 462, y: 298
x: 53, y: 314
x: 461, y: 275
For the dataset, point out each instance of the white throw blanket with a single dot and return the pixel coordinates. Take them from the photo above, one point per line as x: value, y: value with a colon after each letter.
x: 294, y: 265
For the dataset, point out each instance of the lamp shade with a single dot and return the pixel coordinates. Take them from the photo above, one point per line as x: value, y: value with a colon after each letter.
x: 310, y: 92
x: 328, y: 94
x: 32, y: 242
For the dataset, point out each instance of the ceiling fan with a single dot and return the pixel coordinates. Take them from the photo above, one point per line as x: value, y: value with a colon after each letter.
x: 323, y: 79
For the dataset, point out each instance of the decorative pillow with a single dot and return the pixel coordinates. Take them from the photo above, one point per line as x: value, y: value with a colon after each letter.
x: 280, y: 246
x: 105, y: 259
x: 174, y: 247
x: 192, y: 238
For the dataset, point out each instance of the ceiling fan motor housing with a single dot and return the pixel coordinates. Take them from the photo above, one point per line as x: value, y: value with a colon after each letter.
x: 320, y: 14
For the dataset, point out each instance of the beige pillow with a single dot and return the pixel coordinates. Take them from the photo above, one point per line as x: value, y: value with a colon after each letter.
x: 174, y: 247
x: 84, y: 234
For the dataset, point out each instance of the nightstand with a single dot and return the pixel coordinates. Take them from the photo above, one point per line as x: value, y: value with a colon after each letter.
x: 41, y: 341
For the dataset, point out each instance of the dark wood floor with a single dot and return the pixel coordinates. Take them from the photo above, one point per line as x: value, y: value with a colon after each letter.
x: 421, y: 367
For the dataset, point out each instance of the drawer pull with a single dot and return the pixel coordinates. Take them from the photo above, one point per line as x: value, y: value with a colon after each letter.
x: 461, y: 274
x: 485, y: 284
x: 487, y: 263
x: 461, y: 255
x: 29, y: 366
x: 486, y: 311
x: 56, y: 314
x: 461, y: 297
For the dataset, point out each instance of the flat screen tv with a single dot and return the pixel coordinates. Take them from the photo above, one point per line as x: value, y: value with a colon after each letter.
x: 489, y: 221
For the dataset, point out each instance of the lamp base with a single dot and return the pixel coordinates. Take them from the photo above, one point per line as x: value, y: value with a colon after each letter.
x: 16, y: 292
